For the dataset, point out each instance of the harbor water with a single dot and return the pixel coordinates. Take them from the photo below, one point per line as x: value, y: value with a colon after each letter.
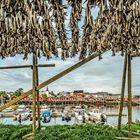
x: 111, y: 120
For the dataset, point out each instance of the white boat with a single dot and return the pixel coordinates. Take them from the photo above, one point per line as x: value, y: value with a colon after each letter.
x: 96, y: 116
x: 78, y: 117
x: 24, y: 116
x: 78, y: 109
x: 21, y: 108
x: 44, y: 107
x: 8, y: 110
x: 86, y: 117
x: 95, y: 113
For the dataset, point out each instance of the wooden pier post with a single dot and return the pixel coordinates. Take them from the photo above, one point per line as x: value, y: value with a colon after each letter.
x: 129, y: 98
x: 34, y: 93
x: 122, y: 92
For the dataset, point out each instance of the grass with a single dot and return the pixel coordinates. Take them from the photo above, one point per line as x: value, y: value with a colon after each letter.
x: 13, y: 132
x: 135, y: 127
x: 79, y: 132
x: 61, y: 132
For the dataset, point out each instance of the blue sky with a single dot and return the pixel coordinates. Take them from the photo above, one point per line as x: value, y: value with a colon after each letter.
x: 103, y: 75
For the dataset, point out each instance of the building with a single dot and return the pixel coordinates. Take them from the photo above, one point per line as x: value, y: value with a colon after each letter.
x: 105, y: 95
x: 137, y: 97
x: 47, y: 92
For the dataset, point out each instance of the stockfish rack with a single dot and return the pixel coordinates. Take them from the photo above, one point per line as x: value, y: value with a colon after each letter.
x: 28, y: 27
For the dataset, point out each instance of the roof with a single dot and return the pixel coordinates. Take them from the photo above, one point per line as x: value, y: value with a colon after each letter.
x: 78, y: 91
x: 39, y: 26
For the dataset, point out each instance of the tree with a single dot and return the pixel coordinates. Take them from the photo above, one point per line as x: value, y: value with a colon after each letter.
x: 18, y: 92
x: 44, y: 95
x: 3, y: 96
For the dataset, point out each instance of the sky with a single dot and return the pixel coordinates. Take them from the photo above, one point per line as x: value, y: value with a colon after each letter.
x: 94, y: 76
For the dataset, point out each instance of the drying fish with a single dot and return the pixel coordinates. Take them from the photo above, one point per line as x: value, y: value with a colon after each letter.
x: 39, y: 25
x: 75, y: 16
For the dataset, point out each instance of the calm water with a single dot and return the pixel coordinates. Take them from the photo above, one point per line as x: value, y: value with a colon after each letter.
x: 114, y: 120
x: 110, y: 120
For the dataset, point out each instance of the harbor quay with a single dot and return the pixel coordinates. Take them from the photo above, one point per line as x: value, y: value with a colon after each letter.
x: 80, y: 97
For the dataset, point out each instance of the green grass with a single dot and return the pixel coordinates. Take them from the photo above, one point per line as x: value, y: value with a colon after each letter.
x: 78, y: 132
x: 61, y: 132
x: 13, y: 132
x: 135, y: 127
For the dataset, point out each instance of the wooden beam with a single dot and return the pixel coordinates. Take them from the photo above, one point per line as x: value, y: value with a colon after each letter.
x: 135, y: 54
x: 122, y: 92
x: 34, y: 93
x: 37, y: 97
x: 129, y: 97
x: 138, y: 55
x: 47, y: 82
x: 15, y: 67
x: 28, y: 66
x: 45, y: 65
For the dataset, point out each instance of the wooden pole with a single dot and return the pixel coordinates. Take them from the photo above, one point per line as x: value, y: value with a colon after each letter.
x: 129, y: 98
x: 37, y: 99
x: 16, y: 67
x: 122, y: 92
x: 34, y: 93
x: 47, y: 82
x: 28, y: 66
x: 45, y: 65
x: 135, y: 54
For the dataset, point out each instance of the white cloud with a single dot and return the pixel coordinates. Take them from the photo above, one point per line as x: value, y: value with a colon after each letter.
x: 104, y: 75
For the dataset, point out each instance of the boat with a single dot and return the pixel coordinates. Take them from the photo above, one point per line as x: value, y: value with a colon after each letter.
x: 137, y: 121
x: 78, y: 109
x: 46, y: 116
x: 78, y: 117
x: 44, y: 107
x: 14, y: 107
x: 96, y: 116
x: 8, y: 110
x: 63, y: 117
x: 25, y: 116
x: 21, y: 108
x: 86, y: 117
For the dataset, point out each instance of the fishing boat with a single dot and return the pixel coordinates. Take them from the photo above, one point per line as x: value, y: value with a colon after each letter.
x: 21, y: 108
x: 78, y: 109
x: 44, y: 107
x: 93, y: 116
x: 8, y: 110
x: 96, y: 116
x: 25, y: 116
x: 46, y: 116
x: 78, y: 117
x: 14, y: 107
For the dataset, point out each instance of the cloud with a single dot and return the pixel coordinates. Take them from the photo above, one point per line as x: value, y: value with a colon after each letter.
x: 103, y: 75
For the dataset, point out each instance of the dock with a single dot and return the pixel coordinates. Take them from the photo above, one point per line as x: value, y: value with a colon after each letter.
x: 114, y: 114
x: 6, y: 115
x: 9, y: 115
